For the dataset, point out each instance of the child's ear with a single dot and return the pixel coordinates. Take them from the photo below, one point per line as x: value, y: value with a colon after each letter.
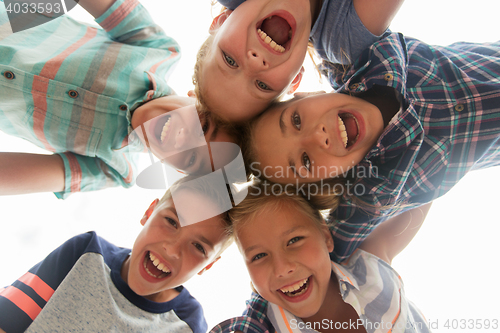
x: 207, y: 267
x: 148, y: 212
x: 328, y: 237
x: 296, y: 82
x: 219, y: 20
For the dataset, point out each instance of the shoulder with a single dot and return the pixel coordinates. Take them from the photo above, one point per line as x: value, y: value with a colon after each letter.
x: 231, y: 4
x: 189, y: 310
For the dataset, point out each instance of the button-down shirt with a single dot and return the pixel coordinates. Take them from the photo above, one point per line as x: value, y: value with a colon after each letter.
x: 449, y: 124
x: 369, y: 284
x: 69, y: 88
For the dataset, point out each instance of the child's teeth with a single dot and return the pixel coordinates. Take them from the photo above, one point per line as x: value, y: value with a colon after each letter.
x: 343, y: 132
x: 294, y: 287
x: 272, y: 43
x: 157, y: 263
x: 165, y: 130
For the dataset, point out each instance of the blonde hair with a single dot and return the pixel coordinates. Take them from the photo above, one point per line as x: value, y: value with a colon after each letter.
x: 198, y: 67
x: 258, y: 199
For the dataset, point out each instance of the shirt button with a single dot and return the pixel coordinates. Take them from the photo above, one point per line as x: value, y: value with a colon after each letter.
x: 388, y: 77
x: 123, y: 107
x: 344, y: 287
x: 73, y: 93
x: 459, y: 107
x: 9, y: 75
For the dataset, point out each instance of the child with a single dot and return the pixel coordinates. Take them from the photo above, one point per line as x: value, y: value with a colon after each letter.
x: 79, y: 91
x: 256, y: 49
x: 286, y: 243
x: 408, y: 122
x: 90, y: 285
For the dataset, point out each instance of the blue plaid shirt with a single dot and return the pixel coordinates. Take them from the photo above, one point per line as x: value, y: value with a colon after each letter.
x: 449, y: 124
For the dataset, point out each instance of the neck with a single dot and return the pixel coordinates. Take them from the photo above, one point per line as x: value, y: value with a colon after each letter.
x: 315, y: 10
x: 385, y: 99
x: 331, y: 303
x: 335, y: 311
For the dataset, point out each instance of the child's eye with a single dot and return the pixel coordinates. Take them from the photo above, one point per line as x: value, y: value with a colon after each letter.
x: 205, y: 127
x: 205, y: 124
x: 296, y: 121
x: 172, y: 222
x: 263, y: 86
x: 200, y: 248
x: 230, y: 61
x: 258, y: 256
x: 191, y: 160
x: 306, y: 162
x: 294, y: 240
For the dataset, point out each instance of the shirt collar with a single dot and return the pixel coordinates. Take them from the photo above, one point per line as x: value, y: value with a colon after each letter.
x: 383, y: 63
x: 157, y: 88
x: 344, y: 277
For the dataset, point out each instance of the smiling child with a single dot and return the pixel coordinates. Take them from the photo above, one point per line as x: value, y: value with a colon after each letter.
x: 78, y: 91
x: 407, y: 122
x: 257, y: 47
x: 285, y: 244
x: 91, y: 285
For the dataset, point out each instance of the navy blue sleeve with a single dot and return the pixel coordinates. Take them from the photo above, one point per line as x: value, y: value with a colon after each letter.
x: 190, y: 311
x: 231, y: 4
x: 21, y: 302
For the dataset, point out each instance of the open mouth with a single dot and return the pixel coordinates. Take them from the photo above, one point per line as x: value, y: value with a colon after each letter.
x: 154, y: 267
x: 349, y: 129
x: 296, y: 289
x: 162, y: 127
x: 276, y: 32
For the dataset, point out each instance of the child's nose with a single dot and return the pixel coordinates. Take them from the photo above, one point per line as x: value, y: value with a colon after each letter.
x: 180, y: 138
x: 172, y: 248
x: 318, y: 137
x: 256, y: 61
x: 283, y: 266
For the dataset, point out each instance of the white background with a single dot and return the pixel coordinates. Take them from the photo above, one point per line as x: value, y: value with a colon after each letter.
x: 450, y: 269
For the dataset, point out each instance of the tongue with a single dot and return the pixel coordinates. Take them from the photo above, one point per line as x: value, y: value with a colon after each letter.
x: 152, y: 268
x: 351, y: 128
x: 277, y: 28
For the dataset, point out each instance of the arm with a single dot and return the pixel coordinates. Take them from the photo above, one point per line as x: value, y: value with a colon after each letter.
x: 96, y: 7
x: 30, y: 173
x: 377, y: 15
x: 392, y: 236
x: 22, y: 302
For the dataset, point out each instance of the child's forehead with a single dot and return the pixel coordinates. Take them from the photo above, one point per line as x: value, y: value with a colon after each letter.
x: 192, y: 207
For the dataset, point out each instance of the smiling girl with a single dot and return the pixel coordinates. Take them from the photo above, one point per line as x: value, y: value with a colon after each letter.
x: 257, y: 48
x: 285, y: 244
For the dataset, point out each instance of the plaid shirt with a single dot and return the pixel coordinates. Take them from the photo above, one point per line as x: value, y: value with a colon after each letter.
x: 449, y: 124
x: 367, y: 283
x: 69, y: 88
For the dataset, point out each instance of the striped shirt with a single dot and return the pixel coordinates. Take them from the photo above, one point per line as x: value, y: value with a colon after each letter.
x: 449, y: 124
x: 78, y: 288
x: 69, y: 88
x: 370, y: 285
